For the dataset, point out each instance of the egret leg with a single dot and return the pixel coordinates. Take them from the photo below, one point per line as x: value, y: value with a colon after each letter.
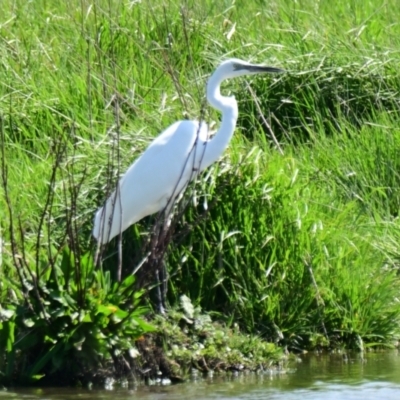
x: 161, y: 241
x: 162, y: 287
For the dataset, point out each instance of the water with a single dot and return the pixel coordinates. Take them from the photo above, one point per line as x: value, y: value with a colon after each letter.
x: 374, y: 376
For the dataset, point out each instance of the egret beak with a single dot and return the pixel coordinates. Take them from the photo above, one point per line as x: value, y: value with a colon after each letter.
x: 257, y: 68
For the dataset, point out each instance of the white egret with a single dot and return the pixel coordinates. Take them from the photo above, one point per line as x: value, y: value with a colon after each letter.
x: 153, y: 182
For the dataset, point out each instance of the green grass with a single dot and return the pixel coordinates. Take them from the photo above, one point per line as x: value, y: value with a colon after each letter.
x: 301, y: 240
x: 306, y: 252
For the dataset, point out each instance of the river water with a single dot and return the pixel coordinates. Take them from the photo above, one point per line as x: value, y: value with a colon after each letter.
x: 335, y: 376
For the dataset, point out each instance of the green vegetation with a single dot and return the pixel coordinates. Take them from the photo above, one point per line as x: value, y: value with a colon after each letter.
x: 193, y: 341
x: 299, y: 241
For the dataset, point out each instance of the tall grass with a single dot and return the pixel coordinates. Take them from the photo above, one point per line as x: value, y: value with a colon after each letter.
x: 294, y: 233
x: 303, y: 257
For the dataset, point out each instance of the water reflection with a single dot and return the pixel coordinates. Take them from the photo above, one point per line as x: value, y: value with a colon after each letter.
x: 333, y: 376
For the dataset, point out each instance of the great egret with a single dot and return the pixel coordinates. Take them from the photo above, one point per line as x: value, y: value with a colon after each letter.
x: 159, y: 175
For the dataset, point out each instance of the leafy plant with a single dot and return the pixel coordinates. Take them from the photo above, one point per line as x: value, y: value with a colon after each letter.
x: 67, y: 328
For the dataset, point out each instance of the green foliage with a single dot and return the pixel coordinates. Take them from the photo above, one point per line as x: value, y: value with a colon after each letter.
x: 192, y: 339
x: 356, y: 93
x: 301, y: 246
x: 290, y: 241
x: 73, y: 320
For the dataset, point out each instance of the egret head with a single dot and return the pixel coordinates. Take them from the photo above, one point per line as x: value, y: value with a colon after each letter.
x: 234, y: 67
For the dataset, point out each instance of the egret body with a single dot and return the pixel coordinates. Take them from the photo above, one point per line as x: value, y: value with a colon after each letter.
x: 183, y: 150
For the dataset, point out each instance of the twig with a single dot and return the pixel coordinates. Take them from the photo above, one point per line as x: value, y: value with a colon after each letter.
x: 18, y: 260
x: 267, y: 125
